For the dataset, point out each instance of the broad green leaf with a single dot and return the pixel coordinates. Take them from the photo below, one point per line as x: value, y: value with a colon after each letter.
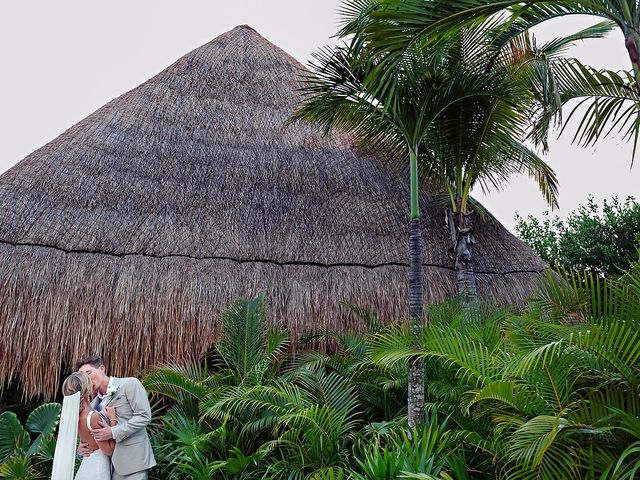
x: 14, y: 439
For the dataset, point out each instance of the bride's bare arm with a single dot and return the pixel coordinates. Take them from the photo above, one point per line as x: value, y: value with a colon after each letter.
x: 108, y: 445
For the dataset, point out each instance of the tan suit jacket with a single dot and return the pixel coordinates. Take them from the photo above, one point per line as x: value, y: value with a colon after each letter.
x: 133, y: 413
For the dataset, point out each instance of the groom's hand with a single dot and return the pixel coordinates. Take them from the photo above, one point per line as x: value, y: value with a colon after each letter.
x: 84, y: 449
x: 102, y: 434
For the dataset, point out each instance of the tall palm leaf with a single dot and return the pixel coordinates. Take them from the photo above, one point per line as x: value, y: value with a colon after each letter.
x: 247, y: 348
x: 609, y: 101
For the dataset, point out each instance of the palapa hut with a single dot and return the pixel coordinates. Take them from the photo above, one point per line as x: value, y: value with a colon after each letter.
x: 131, y: 231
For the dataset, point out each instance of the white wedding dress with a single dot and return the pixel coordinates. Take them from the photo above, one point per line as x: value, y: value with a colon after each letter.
x: 97, y: 466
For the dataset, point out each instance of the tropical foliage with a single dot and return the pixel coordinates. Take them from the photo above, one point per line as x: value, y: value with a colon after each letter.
x: 603, y: 239
x: 549, y: 392
x: 26, y: 452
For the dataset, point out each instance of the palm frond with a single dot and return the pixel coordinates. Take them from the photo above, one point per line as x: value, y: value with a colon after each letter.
x: 517, y: 395
x: 243, y: 336
x: 537, y: 453
x: 608, y: 100
x: 331, y: 473
x: 43, y: 421
x: 558, y: 46
x: 173, y: 383
x: 523, y: 18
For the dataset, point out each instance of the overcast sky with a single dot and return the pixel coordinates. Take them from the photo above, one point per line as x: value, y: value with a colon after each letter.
x: 62, y: 60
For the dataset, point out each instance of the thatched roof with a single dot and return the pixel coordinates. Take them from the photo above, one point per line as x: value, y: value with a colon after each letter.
x: 130, y: 232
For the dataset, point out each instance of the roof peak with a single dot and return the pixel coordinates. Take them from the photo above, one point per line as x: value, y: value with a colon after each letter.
x: 244, y: 26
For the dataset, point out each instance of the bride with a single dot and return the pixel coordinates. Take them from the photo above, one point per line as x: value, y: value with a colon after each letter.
x: 78, y: 419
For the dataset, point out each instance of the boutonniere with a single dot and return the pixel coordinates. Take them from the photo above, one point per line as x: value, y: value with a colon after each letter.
x: 111, y: 389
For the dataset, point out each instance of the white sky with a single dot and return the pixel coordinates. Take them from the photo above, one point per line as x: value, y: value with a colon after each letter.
x: 62, y: 60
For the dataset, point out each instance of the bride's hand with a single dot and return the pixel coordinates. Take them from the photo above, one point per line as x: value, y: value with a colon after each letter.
x: 110, y: 412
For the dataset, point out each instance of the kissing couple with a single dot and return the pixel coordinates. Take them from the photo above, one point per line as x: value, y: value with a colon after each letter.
x: 110, y: 415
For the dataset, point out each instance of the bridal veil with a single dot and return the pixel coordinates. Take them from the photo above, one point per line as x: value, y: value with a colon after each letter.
x: 64, y: 458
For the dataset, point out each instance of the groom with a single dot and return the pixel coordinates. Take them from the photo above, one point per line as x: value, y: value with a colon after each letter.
x: 132, y: 456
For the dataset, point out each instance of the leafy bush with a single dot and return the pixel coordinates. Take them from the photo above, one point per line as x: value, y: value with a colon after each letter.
x: 589, y: 239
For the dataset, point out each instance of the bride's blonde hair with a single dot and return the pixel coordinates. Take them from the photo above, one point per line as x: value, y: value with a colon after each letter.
x: 77, y: 382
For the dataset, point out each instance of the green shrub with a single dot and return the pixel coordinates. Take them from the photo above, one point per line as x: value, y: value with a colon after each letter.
x: 603, y: 241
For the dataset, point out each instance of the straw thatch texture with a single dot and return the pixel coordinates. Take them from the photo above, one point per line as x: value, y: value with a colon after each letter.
x: 130, y: 232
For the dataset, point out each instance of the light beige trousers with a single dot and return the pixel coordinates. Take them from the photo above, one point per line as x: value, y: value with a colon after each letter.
x: 134, y: 476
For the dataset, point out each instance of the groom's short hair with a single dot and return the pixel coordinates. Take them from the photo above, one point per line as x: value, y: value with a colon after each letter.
x: 94, y: 360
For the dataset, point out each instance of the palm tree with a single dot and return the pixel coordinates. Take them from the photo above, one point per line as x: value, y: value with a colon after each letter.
x: 611, y: 99
x: 340, y: 94
x: 474, y: 139
x: 482, y: 141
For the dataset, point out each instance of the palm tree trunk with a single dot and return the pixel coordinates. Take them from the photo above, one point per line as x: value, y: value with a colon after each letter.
x: 415, y: 394
x: 462, y: 239
x: 466, y: 281
x: 415, y: 401
x: 631, y: 42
